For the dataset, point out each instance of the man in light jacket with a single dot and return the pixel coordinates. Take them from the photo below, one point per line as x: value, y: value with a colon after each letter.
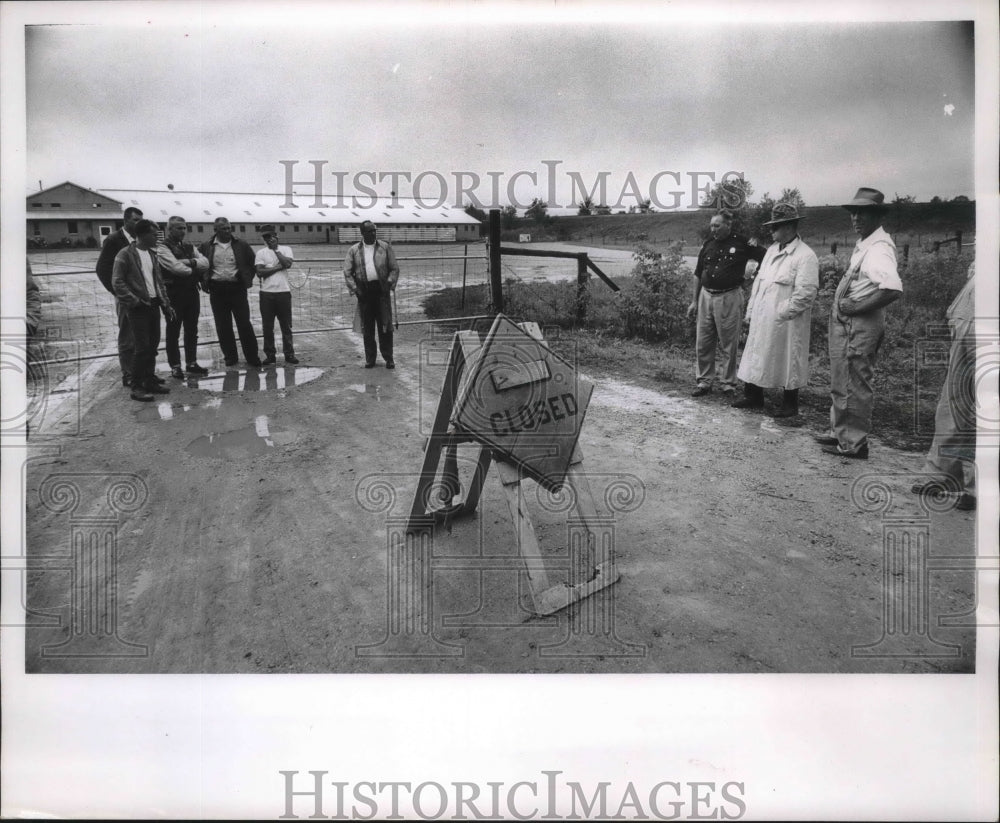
x: 857, y: 326
x: 776, y: 354
x: 139, y: 288
x: 182, y: 267
x: 371, y: 272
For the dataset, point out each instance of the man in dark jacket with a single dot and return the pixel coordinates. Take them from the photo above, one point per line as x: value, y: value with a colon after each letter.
x: 138, y: 286
x: 230, y: 274
x: 113, y: 244
x: 182, y: 267
x: 718, y: 301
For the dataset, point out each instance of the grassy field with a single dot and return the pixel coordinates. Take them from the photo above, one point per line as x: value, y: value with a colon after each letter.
x: 918, y: 224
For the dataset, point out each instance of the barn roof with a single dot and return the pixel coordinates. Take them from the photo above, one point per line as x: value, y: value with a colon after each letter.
x: 250, y: 207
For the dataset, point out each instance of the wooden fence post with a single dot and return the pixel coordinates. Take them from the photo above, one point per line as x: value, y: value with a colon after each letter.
x: 582, y: 295
x: 496, y: 281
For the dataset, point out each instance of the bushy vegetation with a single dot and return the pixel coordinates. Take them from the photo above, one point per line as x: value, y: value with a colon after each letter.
x: 646, y: 324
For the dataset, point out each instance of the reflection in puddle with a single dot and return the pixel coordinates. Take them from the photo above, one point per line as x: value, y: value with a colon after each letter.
x: 245, y: 442
x: 368, y: 388
x: 253, y: 380
x: 168, y: 411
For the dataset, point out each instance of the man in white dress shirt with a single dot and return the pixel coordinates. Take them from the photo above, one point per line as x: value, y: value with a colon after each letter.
x: 271, y: 263
x: 857, y: 326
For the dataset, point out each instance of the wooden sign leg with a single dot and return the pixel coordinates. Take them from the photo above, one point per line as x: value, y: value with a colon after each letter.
x: 527, y: 542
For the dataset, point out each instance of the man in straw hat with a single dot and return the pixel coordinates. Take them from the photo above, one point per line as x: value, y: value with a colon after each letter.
x: 776, y: 354
x: 857, y: 326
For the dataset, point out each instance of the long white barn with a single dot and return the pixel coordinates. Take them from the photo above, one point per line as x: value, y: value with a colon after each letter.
x: 73, y: 213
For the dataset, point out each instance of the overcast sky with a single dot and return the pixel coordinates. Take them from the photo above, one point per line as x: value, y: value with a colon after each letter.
x: 206, y: 106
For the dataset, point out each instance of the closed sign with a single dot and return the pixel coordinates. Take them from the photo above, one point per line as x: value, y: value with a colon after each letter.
x: 520, y: 398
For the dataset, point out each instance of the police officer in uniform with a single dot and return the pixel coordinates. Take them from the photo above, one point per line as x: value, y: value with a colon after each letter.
x: 718, y: 300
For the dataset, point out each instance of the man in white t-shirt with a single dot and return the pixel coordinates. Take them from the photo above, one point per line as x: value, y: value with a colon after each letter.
x: 857, y: 326
x: 271, y: 263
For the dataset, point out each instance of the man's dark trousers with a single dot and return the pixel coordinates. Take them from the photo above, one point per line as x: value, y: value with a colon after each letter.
x: 370, y: 300
x: 229, y: 303
x: 144, y: 322
x: 277, y: 304
x: 186, y: 301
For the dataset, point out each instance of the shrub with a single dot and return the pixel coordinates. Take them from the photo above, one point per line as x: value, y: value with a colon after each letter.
x: 654, y: 302
x: 91, y: 242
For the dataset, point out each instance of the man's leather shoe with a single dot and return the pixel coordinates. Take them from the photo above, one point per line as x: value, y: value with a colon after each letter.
x: 966, y: 502
x: 826, y: 440
x: 269, y: 361
x: 748, y: 403
x: 176, y: 372
x: 860, y: 454
x: 158, y: 379
x: 194, y: 368
x: 141, y: 394
x: 255, y: 363
x: 156, y: 388
x: 369, y: 365
x: 701, y: 391
x: 291, y: 358
x: 231, y: 363
x: 785, y: 412
x: 390, y: 364
x: 935, y: 487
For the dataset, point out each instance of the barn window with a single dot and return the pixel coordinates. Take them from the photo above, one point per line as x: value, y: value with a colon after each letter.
x: 56, y: 205
x: 71, y: 226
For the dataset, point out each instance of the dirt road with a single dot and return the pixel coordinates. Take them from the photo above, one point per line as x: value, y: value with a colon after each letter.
x: 246, y: 523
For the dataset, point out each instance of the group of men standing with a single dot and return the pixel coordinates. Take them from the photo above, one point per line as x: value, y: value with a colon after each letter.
x: 148, y: 276
x: 779, y: 314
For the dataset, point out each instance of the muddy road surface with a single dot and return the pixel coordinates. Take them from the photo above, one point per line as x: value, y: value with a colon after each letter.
x: 245, y: 523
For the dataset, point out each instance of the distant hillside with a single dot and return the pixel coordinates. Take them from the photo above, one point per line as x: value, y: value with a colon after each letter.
x: 914, y: 223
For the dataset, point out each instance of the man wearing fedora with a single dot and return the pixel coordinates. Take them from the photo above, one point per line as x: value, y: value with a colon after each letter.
x: 779, y: 311
x: 718, y: 301
x: 857, y: 326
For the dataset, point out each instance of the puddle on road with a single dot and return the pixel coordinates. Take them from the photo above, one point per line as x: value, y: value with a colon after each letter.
x: 766, y: 429
x: 252, y: 380
x: 371, y: 389
x: 168, y: 411
x: 241, y: 443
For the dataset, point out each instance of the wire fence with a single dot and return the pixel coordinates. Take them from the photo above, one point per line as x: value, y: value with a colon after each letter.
x: 79, y: 321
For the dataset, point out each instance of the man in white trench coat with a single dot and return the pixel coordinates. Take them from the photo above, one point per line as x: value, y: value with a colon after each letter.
x: 779, y: 311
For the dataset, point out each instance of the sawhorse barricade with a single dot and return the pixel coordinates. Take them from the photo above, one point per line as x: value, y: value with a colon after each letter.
x: 523, y: 407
